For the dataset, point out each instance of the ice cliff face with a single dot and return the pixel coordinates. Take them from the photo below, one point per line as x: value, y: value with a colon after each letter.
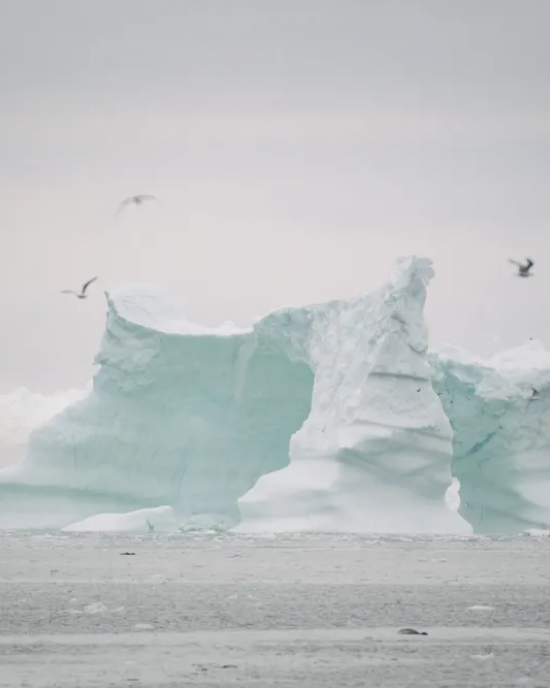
x: 375, y: 451
x: 189, y: 419
x: 501, y: 435
x: 178, y: 416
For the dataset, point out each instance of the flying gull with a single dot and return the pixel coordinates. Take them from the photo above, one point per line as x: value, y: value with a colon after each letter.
x: 136, y: 200
x: 82, y: 294
x: 523, y: 270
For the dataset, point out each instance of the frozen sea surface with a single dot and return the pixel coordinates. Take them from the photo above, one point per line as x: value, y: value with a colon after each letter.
x: 292, y: 610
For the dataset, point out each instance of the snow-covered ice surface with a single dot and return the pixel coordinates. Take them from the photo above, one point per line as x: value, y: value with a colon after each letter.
x: 500, y: 413
x: 191, y: 417
x: 308, y: 611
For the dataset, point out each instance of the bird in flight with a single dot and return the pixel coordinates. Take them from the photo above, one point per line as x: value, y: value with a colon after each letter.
x: 82, y: 294
x: 523, y: 270
x: 136, y: 200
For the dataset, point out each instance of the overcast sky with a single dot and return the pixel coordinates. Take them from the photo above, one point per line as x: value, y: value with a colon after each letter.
x: 297, y: 147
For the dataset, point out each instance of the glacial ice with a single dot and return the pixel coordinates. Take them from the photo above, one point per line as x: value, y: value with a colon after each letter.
x: 179, y: 415
x: 501, y: 444
x: 21, y: 411
x: 374, y: 454
x: 192, y: 417
x: 159, y: 519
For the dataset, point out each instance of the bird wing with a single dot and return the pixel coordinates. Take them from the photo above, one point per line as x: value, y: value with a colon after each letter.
x: 87, y: 284
x: 135, y: 199
x: 529, y: 264
x: 69, y: 291
x: 515, y: 262
x: 124, y: 203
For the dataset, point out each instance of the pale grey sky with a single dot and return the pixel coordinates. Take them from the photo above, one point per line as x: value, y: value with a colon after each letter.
x: 297, y: 148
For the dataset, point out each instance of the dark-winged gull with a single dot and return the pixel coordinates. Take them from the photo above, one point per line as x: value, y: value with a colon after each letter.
x: 523, y: 270
x: 139, y: 199
x: 82, y: 294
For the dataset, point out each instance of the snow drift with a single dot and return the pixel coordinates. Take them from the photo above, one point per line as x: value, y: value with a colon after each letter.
x: 500, y: 413
x: 190, y: 418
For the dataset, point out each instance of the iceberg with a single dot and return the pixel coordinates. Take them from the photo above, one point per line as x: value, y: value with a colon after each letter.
x: 159, y: 519
x: 374, y: 455
x: 500, y: 413
x: 21, y: 412
x: 179, y: 415
x: 320, y: 417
